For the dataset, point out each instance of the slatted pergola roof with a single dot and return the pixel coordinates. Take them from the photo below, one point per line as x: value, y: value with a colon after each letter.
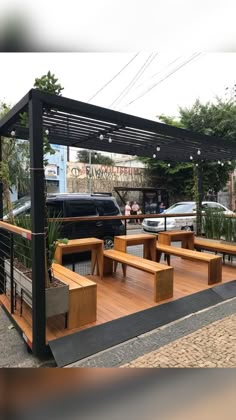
x: 78, y: 124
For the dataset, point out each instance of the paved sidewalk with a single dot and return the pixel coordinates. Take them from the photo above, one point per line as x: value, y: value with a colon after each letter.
x: 13, y: 351
x: 203, y: 339
x: 212, y: 346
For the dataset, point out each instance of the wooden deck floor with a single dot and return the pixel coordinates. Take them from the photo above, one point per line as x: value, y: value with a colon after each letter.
x: 118, y: 297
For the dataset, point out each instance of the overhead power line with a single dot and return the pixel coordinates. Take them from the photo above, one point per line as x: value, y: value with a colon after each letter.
x: 137, y: 76
x: 123, y: 68
x: 158, y: 72
x: 196, y: 55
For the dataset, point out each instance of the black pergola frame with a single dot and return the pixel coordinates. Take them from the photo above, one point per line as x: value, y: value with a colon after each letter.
x: 77, y: 124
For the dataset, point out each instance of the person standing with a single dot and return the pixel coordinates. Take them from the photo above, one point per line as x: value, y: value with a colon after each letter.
x: 162, y: 207
x: 135, y: 208
x: 127, y: 209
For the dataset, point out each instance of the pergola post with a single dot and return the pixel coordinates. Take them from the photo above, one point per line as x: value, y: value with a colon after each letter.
x: 38, y: 223
x: 1, y: 237
x: 200, y: 198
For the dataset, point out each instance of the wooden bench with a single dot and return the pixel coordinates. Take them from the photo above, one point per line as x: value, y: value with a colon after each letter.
x: 163, y: 275
x: 82, y: 296
x: 214, y: 262
x: 204, y: 244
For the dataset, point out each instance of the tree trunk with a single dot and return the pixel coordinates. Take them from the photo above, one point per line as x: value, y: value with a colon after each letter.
x: 7, y: 198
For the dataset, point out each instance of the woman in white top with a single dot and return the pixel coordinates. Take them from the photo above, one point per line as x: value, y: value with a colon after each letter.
x: 127, y: 209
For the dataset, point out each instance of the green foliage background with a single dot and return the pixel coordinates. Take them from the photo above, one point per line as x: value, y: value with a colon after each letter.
x: 217, y: 119
x: 96, y: 158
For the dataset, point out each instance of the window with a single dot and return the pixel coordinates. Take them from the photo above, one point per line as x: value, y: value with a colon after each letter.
x: 81, y: 208
x: 55, y: 209
x: 213, y: 207
x: 107, y: 208
x: 181, y: 208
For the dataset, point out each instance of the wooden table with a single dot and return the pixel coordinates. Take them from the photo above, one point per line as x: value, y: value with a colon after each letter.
x: 186, y: 237
x: 148, y: 241
x: 79, y: 245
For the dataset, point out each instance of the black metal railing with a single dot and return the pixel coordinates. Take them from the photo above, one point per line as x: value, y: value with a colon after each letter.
x: 15, y: 251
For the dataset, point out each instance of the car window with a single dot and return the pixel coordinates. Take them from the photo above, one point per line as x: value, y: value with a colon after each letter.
x: 213, y: 206
x: 107, y: 208
x: 80, y: 208
x: 181, y: 208
x: 55, y: 209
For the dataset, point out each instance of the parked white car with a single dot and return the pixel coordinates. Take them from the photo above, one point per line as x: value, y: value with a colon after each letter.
x: 180, y: 223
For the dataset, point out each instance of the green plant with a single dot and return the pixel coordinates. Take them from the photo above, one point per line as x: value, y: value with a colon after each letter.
x: 229, y: 229
x: 213, y: 224
x: 22, y: 246
x: 23, y: 249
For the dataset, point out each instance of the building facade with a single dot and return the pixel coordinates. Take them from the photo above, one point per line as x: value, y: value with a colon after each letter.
x: 55, y: 171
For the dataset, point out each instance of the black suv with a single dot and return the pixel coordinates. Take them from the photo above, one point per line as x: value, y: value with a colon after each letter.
x: 81, y: 205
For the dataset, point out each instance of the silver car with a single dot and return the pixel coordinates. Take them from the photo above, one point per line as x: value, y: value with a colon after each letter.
x: 180, y: 223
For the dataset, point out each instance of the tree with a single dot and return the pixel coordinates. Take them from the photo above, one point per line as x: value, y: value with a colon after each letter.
x: 216, y: 119
x: 14, y: 165
x: 16, y: 157
x: 48, y: 83
x: 96, y: 158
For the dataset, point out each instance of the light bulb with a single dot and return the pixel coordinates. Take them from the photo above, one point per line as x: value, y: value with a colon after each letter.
x: 229, y: 162
x: 95, y: 155
x: 47, y: 132
x: 222, y: 164
x: 191, y: 158
x: 101, y: 137
x: 158, y: 148
x: 13, y: 133
x: 219, y: 162
x: 110, y: 140
x: 199, y: 152
x: 154, y: 155
x: 196, y: 164
x: 168, y: 164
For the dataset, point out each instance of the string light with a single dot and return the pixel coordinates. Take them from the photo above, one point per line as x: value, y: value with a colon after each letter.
x: 101, y: 137
x: 154, y: 156
x: 222, y: 164
x: 47, y: 132
x: 196, y: 164
x: 13, y: 133
x: 158, y: 148
x: 219, y: 162
x: 229, y: 162
x: 191, y: 158
x: 110, y: 140
x: 168, y: 164
x: 199, y: 152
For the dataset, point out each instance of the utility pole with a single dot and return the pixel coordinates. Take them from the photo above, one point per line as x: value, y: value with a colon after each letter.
x: 90, y: 172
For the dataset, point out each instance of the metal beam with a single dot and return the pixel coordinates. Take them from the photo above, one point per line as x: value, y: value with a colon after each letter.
x: 1, y: 230
x: 13, y: 114
x: 115, y: 117
x: 38, y: 223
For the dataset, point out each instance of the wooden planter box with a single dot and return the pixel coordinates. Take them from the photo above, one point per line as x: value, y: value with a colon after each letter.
x: 57, y: 298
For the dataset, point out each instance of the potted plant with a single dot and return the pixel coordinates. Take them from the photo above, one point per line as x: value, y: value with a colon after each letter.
x: 56, y: 292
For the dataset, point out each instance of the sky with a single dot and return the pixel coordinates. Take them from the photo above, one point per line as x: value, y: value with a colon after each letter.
x: 160, y: 55
x: 168, y: 81
x: 148, y: 84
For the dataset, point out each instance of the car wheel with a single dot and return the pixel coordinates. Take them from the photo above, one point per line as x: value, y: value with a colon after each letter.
x: 187, y: 228
x: 108, y: 242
